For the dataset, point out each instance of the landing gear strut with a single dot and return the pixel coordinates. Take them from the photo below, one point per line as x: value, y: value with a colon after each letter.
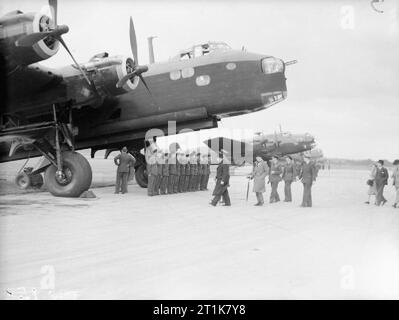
x: 66, y: 172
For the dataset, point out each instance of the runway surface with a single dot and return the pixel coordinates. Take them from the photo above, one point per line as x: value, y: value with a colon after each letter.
x: 178, y: 247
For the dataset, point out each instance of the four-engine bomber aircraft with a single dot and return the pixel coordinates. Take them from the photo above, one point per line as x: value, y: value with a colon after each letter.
x: 112, y: 101
x: 264, y: 145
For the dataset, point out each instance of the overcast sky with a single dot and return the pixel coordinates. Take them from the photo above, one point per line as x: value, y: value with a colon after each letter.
x: 344, y: 89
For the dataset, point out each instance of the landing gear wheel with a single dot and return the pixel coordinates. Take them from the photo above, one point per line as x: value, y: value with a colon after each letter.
x: 23, y: 181
x: 76, y: 176
x: 141, y: 176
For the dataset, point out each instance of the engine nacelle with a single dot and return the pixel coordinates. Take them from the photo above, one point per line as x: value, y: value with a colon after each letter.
x: 16, y: 25
x: 106, y: 72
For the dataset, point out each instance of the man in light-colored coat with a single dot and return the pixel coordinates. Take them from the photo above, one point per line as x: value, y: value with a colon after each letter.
x: 259, y: 173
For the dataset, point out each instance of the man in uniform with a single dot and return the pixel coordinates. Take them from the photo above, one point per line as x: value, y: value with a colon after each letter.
x: 222, y: 181
x: 308, y: 177
x: 381, y: 180
x: 165, y: 174
x: 200, y: 172
x: 208, y: 172
x: 289, y: 175
x: 187, y: 172
x: 274, y: 178
x: 193, y: 171
x: 203, y: 172
x: 181, y: 171
x: 172, y: 173
x: 125, y: 162
x: 152, y: 172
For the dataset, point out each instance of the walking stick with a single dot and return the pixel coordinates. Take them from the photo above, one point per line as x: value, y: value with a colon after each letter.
x: 247, y: 190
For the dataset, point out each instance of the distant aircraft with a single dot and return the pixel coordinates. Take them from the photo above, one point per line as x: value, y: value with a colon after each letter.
x: 112, y: 101
x: 263, y: 145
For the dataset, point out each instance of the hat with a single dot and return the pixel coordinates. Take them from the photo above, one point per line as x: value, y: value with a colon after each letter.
x: 381, y: 162
x: 396, y: 162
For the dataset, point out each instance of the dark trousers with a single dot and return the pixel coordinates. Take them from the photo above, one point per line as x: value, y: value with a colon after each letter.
x: 164, y: 184
x: 193, y: 182
x: 171, y: 183
x: 182, y: 180
x: 150, y: 186
x: 287, y: 191
x: 157, y: 184
x: 274, y: 197
x: 199, y: 179
x: 380, y: 193
x: 307, y: 194
x: 259, y: 197
x: 187, y: 183
x: 226, y: 198
x: 203, y: 182
x: 121, y: 182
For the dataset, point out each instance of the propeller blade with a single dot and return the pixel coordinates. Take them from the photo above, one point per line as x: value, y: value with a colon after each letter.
x: 133, y: 42
x: 31, y: 39
x: 77, y: 64
x: 148, y: 90
x: 53, y: 7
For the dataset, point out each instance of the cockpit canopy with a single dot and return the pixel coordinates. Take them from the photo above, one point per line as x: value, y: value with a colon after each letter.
x: 201, y: 50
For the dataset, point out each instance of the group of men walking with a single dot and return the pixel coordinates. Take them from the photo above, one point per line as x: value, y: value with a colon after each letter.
x: 288, y: 173
x: 176, y: 172
x: 379, y: 179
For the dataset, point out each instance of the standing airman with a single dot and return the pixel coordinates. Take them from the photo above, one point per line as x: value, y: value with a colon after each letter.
x: 187, y: 170
x: 165, y: 174
x: 125, y: 162
x: 308, y: 177
x: 173, y: 177
x: 152, y: 172
x: 200, y: 172
x: 289, y: 175
x: 274, y: 178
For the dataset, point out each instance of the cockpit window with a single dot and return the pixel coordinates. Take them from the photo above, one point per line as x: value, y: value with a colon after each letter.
x: 202, y: 50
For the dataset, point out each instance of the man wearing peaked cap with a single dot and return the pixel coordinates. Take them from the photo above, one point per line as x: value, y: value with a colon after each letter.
x: 308, y: 176
x: 222, y: 181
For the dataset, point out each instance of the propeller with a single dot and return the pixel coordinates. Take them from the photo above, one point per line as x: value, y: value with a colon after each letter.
x: 55, y: 31
x: 137, y: 70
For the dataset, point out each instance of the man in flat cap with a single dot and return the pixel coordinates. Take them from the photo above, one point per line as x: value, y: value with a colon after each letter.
x: 125, y: 162
x: 308, y: 176
x: 395, y: 178
x: 222, y: 181
x: 381, y: 180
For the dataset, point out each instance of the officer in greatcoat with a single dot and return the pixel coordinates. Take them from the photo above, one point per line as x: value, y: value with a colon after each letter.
x: 274, y: 179
x: 222, y: 181
x: 259, y: 173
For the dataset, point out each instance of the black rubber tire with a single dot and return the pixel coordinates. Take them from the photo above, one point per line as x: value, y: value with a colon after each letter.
x: 81, y: 177
x: 23, y: 180
x: 141, y: 176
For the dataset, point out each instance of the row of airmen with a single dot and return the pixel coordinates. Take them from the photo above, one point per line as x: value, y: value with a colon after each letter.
x: 177, y: 172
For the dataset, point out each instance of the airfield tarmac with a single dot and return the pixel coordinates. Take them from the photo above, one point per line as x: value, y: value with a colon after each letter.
x: 179, y: 247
